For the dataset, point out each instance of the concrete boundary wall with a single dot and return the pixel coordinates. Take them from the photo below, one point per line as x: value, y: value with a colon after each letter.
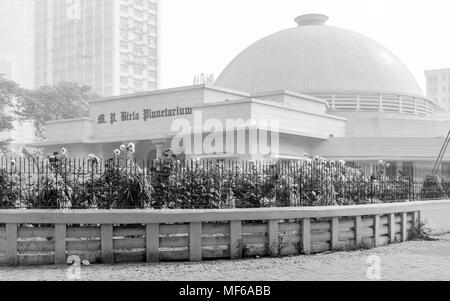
x: 114, y: 236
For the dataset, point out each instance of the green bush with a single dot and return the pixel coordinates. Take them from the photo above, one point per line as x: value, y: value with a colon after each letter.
x: 432, y: 188
x: 9, y: 189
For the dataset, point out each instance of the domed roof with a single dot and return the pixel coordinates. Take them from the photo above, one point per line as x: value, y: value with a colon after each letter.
x: 315, y: 57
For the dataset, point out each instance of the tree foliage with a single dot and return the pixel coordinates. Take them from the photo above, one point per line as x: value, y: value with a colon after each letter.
x: 9, y: 91
x: 63, y: 101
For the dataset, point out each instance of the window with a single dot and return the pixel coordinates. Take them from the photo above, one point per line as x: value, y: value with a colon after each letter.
x: 138, y: 13
x: 124, y: 35
x: 138, y: 71
x: 138, y: 84
x: 124, y: 81
x: 124, y: 9
x: 124, y: 68
x: 124, y: 22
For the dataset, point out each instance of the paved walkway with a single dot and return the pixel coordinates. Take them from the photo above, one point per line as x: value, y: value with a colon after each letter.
x: 422, y: 260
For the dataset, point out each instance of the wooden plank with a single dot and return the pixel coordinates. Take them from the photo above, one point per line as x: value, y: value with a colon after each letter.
x: 273, y: 237
x: 215, y: 253
x: 367, y: 222
x: 60, y: 244
x: 286, y: 239
x: 290, y: 227
x: 306, y: 236
x: 346, y: 235
x: 383, y: 240
x: 107, y: 244
x: 254, y: 228
x: 404, y: 227
x: 152, y: 242
x: 83, y: 232
x: 236, y: 239
x: 125, y: 232
x: 347, y: 224
x: 252, y: 250
x: 32, y: 232
x: 210, y: 229
x: 289, y: 250
x: 36, y: 259
x: 27, y: 247
x: 392, y: 228
x: 320, y: 247
x: 122, y: 257
x: 322, y: 236
x: 195, y: 242
x: 84, y: 245
x: 174, y: 229
x: 376, y: 230
x: 255, y: 239
x: 11, y: 244
x: 129, y: 243
x: 175, y: 255
x: 358, y: 231
x: 334, y: 233
x: 174, y: 241
x: 320, y: 226
x: 214, y: 241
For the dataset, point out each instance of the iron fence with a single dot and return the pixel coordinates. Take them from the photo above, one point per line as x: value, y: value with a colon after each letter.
x: 59, y: 182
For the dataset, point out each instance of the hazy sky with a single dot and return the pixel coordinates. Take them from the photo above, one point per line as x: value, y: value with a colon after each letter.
x: 203, y: 36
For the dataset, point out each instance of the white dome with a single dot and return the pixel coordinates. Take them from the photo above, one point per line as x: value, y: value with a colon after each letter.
x: 313, y: 57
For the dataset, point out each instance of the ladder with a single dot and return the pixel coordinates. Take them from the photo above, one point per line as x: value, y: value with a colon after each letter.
x: 441, y: 155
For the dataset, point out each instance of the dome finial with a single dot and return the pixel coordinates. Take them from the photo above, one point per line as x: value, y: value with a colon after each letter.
x: 311, y: 19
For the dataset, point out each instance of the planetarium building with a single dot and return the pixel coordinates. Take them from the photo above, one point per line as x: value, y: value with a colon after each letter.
x: 333, y: 92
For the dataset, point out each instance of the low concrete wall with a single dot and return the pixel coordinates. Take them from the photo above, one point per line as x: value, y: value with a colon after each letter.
x: 112, y: 236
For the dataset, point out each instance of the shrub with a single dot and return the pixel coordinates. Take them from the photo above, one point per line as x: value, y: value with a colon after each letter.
x: 432, y: 188
x: 9, y: 189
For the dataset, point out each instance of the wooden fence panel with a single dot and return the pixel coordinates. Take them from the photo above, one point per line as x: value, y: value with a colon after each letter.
x: 35, y: 232
x: 60, y: 244
x: 11, y: 244
x: 195, y: 242
x: 152, y: 242
x: 107, y: 244
x: 273, y: 237
x: 236, y: 245
x: 306, y: 236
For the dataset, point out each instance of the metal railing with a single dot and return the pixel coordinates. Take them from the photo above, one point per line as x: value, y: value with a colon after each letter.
x: 59, y: 182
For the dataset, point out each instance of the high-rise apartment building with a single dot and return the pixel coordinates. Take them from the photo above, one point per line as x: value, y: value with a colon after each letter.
x: 438, y: 87
x: 110, y: 45
x: 16, y: 41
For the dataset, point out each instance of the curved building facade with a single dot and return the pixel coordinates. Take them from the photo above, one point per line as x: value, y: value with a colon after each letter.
x: 334, y: 93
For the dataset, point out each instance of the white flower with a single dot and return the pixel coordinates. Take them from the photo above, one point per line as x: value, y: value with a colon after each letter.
x: 63, y: 151
x: 117, y: 152
x: 93, y: 158
x: 123, y: 147
x: 381, y: 162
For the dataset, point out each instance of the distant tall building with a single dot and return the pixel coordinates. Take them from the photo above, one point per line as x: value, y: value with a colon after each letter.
x: 438, y: 87
x: 110, y: 45
x: 16, y: 41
